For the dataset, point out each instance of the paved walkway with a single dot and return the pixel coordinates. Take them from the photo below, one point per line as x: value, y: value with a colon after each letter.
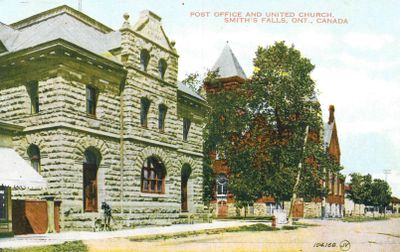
x: 57, y: 238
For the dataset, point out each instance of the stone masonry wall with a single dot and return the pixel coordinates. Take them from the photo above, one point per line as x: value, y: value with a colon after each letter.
x: 63, y: 131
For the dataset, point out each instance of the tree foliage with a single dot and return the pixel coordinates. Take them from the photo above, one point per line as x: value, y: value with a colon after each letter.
x: 279, y: 103
x: 380, y: 193
x: 369, y: 192
x: 260, y: 128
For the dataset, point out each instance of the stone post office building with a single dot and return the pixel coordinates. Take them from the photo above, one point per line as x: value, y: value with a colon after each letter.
x: 104, y: 118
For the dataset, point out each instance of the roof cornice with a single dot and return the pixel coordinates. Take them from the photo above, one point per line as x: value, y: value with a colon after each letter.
x: 65, y: 44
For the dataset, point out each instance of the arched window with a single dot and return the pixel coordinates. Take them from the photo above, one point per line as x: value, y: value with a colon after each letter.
x: 186, y: 128
x: 144, y: 110
x: 162, y: 67
x: 33, y: 91
x: 153, y: 176
x: 222, y: 185
x: 34, y: 156
x: 144, y: 59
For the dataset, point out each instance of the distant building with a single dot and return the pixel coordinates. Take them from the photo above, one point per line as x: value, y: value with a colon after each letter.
x: 351, y: 208
x: 104, y: 118
x: 334, y: 203
x: 395, y: 205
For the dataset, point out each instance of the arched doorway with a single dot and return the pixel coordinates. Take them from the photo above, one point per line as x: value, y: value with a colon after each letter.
x: 185, y: 174
x: 90, y: 166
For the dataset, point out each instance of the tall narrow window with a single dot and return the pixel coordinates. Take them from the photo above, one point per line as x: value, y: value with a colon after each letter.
x: 222, y: 185
x: 33, y: 91
x: 153, y: 176
x: 91, y: 99
x: 162, y: 109
x: 162, y: 67
x: 186, y: 128
x: 144, y: 59
x: 34, y: 156
x: 144, y: 110
x: 3, y: 203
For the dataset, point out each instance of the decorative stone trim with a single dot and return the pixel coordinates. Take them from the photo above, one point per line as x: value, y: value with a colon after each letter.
x: 186, y: 160
x: 89, y: 141
x: 157, y: 152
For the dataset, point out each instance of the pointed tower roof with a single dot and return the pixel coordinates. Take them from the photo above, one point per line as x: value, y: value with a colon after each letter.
x: 228, y: 64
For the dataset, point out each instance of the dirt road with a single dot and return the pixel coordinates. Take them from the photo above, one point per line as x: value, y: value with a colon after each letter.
x: 329, y: 236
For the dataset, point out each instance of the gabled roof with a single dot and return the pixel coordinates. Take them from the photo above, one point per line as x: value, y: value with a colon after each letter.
x: 149, y: 26
x: 185, y: 89
x: 395, y: 200
x: 228, y: 65
x: 328, y: 129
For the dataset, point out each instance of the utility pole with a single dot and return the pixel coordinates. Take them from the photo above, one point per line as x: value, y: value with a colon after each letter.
x: 80, y: 5
x: 387, y: 172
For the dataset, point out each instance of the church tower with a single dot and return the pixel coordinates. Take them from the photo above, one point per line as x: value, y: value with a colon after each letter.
x: 230, y: 72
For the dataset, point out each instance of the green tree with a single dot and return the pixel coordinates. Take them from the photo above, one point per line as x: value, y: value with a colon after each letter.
x: 283, y: 97
x: 360, y: 188
x: 380, y: 194
x: 261, y: 128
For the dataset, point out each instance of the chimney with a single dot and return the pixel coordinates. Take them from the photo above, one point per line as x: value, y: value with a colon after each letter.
x: 331, y: 114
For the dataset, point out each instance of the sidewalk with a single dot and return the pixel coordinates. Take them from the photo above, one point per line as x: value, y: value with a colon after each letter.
x: 58, y: 238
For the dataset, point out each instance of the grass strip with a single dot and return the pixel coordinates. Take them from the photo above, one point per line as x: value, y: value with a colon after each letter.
x: 363, y: 219
x: 248, y: 228
x: 73, y: 246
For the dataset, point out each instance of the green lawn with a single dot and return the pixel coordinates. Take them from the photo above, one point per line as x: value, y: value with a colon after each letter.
x: 75, y: 246
x: 248, y: 228
x: 364, y: 218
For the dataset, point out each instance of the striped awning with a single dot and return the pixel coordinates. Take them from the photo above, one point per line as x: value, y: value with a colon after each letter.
x: 16, y: 172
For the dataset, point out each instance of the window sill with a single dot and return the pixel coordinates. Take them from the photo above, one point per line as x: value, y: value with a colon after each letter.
x: 152, y: 195
x: 91, y: 116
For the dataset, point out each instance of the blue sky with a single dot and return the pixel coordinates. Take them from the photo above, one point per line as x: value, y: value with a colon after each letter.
x: 357, y: 64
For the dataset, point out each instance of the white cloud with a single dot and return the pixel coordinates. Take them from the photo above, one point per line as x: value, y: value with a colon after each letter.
x: 366, y: 65
x: 312, y: 39
x: 367, y: 40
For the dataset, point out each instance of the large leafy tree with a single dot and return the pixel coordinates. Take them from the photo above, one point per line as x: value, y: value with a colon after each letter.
x: 283, y: 101
x: 269, y: 129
